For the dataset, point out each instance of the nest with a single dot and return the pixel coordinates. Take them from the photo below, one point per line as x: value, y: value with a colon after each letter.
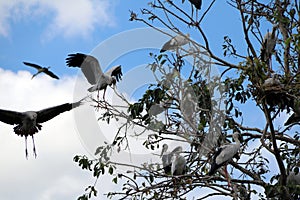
x: 276, y: 96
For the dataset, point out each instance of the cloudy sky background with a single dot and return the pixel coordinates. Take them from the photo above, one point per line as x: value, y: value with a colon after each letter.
x: 45, y: 32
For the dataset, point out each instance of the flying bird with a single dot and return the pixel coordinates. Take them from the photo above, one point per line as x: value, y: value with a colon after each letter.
x: 175, y: 42
x: 92, y: 71
x: 29, y: 123
x: 268, y: 46
x: 224, y: 154
x: 41, y: 69
x: 167, y: 158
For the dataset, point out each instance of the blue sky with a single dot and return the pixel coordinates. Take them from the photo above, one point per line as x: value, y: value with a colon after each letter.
x: 45, y: 32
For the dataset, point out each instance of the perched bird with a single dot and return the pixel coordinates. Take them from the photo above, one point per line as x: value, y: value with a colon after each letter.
x: 41, y: 69
x: 167, y: 158
x: 175, y: 42
x: 196, y: 3
x: 272, y: 81
x: 178, y: 166
x: 295, y: 117
x: 224, y: 154
x: 293, y: 178
x: 268, y: 46
x: 92, y: 71
x: 28, y: 123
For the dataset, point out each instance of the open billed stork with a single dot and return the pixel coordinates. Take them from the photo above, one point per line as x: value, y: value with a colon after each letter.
x: 178, y: 166
x: 173, y: 163
x: 41, y: 70
x: 268, y: 46
x: 196, y: 3
x: 293, y: 178
x: 28, y: 123
x: 92, y: 71
x: 175, y: 42
x: 224, y: 154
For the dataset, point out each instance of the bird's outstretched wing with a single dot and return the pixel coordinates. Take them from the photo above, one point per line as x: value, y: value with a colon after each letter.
x: 10, y: 117
x: 115, y: 71
x: 51, y: 74
x: 49, y: 113
x: 89, y: 66
x: 33, y: 65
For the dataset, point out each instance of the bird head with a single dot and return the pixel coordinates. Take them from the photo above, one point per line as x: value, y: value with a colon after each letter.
x: 31, y: 118
x: 164, y: 149
x: 236, y: 136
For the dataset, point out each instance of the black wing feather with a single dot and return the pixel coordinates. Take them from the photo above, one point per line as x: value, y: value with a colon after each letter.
x: 117, y: 73
x: 75, y: 60
x: 196, y: 3
x: 49, y: 113
x: 33, y: 65
x: 214, y: 166
x: 51, y: 74
x: 10, y: 117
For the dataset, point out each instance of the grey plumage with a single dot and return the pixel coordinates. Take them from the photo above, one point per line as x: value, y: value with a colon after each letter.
x: 224, y: 154
x: 92, y: 71
x: 167, y: 158
x: 272, y: 81
x: 41, y: 70
x: 178, y: 166
x: 268, y: 45
x: 175, y: 42
x: 293, y: 178
x: 28, y: 123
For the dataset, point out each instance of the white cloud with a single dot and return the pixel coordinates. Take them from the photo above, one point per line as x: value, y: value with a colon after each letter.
x: 67, y: 18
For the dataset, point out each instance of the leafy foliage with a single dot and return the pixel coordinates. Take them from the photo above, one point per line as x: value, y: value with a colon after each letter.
x: 188, y: 109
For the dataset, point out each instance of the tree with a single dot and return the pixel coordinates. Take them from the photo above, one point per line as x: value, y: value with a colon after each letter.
x: 203, y: 110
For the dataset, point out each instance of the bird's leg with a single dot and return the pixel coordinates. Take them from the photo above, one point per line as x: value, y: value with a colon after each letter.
x: 26, y: 152
x: 98, y: 95
x: 104, y: 94
x: 226, y: 175
x: 34, y: 151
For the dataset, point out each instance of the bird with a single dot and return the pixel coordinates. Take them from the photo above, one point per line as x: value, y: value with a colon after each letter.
x: 224, y: 154
x: 272, y: 81
x: 293, y: 178
x: 29, y: 123
x: 178, y: 166
x: 167, y: 158
x: 295, y: 117
x: 196, y: 3
x: 41, y: 69
x: 268, y: 46
x: 92, y: 71
x: 175, y: 42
